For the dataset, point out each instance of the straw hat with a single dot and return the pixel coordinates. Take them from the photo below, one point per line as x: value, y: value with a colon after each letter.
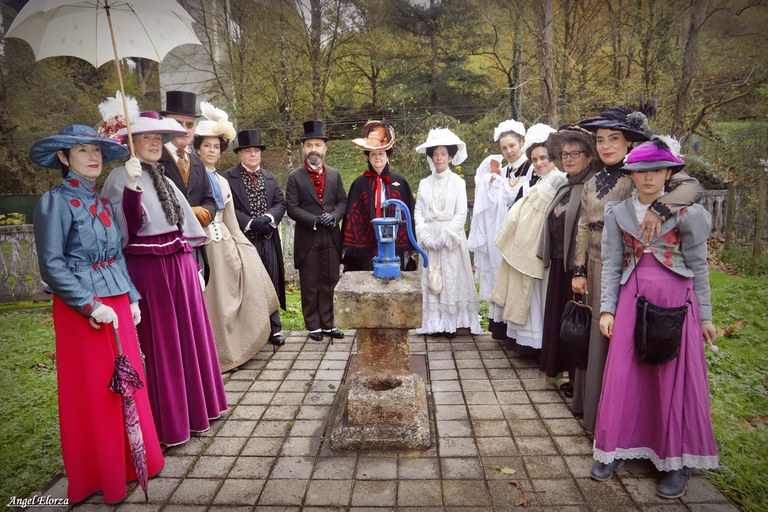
x: 376, y: 136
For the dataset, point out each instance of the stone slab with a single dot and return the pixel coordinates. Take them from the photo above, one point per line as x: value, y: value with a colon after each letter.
x: 362, y: 301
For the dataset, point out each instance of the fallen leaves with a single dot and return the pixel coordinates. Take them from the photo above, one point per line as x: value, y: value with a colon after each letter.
x: 524, y: 498
x: 728, y: 331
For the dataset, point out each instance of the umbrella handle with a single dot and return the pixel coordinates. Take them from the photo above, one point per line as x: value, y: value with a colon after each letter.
x: 120, y: 80
x: 117, y: 341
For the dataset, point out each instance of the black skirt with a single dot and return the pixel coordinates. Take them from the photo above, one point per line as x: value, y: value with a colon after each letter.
x: 553, y: 361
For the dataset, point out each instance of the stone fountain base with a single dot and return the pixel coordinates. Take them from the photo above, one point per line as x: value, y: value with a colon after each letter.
x: 383, y: 406
x: 382, y: 414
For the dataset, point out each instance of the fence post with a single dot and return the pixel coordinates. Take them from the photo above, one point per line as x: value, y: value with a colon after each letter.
x: 730, y: 213
x: 757, y: 247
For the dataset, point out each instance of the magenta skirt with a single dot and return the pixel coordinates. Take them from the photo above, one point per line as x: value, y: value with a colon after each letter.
x: 656, y: 412
x: 185, y: 386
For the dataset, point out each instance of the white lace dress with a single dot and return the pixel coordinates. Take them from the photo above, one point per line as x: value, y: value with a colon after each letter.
x: 440, y: 216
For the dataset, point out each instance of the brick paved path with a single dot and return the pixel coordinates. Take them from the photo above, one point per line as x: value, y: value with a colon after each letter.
x: 491, y: 411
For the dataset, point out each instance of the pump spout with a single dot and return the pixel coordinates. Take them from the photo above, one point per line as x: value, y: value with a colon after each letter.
x: 402, y: 207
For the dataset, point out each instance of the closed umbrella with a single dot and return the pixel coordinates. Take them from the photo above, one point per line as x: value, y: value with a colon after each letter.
x: 102, y: 30
x: 126, y: 381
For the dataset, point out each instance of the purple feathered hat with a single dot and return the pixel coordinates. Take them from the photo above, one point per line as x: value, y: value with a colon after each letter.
x: 651, y: 156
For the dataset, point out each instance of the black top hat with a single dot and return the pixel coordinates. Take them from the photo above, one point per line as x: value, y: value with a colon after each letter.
x: 181, y: 103
x: 313, y: 130
x: 248, y: 139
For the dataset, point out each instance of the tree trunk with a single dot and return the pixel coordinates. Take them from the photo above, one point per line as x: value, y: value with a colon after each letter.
x: 434, y: 78
x: 315, y: 33
x: 690, y: 59
x: 516, y: 93
x: 545, y: 18
x: 285, y: 106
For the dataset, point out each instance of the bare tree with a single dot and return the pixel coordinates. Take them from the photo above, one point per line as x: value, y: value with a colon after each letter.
x: 545, y: 24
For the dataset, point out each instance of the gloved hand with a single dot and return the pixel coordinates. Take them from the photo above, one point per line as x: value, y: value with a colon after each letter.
x: 265, y: 229
x: 203, y: 215
x: 103, y: 314
x: 135, y: 312
x: 326, y: 220
x: 202, y: 279
x: 132, y: 173
x: 258, y: 222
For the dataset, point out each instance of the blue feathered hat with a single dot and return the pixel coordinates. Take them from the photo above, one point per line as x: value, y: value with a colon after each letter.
x: 43, y: 151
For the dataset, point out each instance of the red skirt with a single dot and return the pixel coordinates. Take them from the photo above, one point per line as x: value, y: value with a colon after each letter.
x: 94, y: 444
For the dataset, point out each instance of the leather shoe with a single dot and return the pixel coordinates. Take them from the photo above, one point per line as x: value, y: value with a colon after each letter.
x: 334, y: 333
x: 674, y: 483
x: 602, y: 472
x: 316, y: 336
x: 277, y: 340
x: 450, y: 335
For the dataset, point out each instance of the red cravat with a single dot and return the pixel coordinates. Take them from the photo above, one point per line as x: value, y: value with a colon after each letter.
x: 377, y: 188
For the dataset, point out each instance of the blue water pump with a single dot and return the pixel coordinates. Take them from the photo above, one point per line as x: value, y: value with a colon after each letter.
x: 387, y: 264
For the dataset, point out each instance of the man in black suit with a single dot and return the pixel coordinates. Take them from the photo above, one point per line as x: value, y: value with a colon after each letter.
x: 184, y: 167
x: 317, y: 202
x: 259, y: 208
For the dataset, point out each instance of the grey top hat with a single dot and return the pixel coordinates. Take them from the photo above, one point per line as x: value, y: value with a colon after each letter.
x: 180, y: 103
x: 249, y: 139
x: 313, y: 130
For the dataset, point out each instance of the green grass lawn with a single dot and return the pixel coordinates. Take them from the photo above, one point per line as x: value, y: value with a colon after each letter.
x: 738, y: 376
x: 30, y: 454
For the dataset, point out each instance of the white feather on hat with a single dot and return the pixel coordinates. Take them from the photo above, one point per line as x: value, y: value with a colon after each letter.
x: 444, y: 137
x: 113, y: 115
x: 672, y: 143
x: 510, y: 125
x: 216, y: 123
x: 537, y: 134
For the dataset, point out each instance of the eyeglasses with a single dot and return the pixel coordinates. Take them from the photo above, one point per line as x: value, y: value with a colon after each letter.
x: 187, y: 124
x: 572, y: 155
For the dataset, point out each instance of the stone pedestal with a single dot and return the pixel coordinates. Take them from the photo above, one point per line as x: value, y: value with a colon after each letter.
x: 383, y: 405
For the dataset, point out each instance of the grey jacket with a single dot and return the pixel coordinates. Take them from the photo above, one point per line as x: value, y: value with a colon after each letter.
x: 682, y: 247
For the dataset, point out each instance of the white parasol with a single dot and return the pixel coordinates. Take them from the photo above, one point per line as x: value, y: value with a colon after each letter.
x: 102, y: 30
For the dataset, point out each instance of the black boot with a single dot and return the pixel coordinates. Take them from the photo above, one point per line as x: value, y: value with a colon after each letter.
x: 602, y: 472
x: 674, y: 483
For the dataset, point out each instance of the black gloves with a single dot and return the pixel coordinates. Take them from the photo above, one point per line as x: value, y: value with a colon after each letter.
x: 326, y: 220
x: 261, y: 226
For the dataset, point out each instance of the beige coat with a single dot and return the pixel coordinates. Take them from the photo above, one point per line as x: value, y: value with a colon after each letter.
x: 239, y: 296
x: 518, y: 240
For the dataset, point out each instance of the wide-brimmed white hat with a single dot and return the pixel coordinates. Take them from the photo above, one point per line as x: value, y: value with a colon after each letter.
x: 150, y: 122
x: 444, y: 137
x: 510, y: 125
x: 537, y: 134
x: 215, y: 123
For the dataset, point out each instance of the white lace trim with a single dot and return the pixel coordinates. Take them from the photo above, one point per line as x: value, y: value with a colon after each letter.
x: 669, y: 464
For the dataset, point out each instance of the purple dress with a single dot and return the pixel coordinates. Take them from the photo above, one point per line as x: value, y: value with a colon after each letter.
x: 185, y: 385
x: 656, y: 412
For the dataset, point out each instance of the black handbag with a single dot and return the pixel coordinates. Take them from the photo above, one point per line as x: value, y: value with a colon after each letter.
x: 575, y: 326
x: 658, y: 329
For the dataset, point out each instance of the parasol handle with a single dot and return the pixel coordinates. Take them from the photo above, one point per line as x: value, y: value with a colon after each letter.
x: 117, y: 341
x: 120, y: 80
